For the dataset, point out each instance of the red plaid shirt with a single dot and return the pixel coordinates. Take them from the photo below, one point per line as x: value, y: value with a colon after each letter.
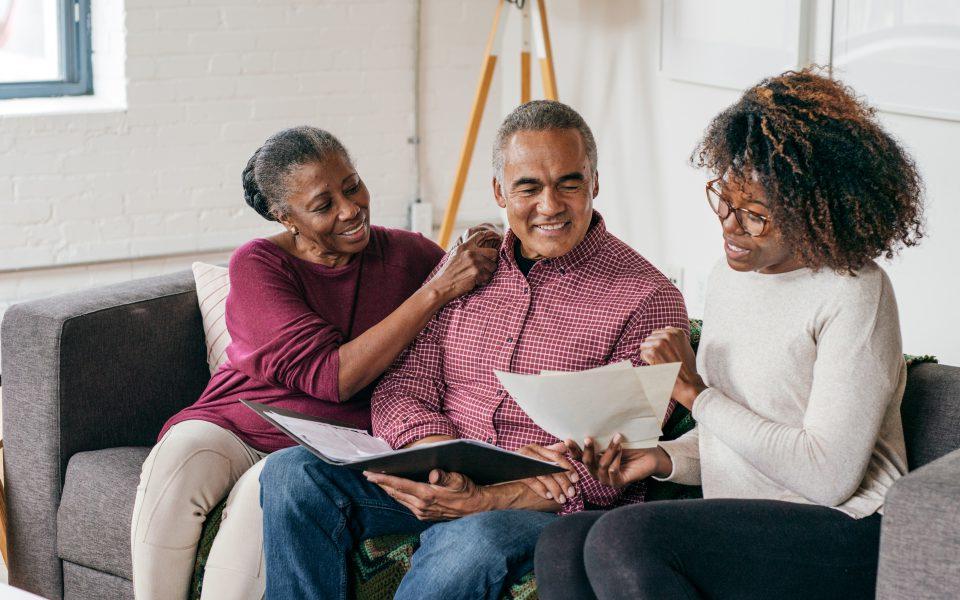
x: 588, y: 308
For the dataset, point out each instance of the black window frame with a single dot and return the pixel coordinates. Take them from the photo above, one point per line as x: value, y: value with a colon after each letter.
x: 75, y: 58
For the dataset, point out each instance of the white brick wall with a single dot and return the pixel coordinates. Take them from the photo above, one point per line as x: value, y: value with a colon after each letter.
x: 206, y: 82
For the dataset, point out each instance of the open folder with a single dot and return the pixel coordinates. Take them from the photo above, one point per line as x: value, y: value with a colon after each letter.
x: 339, y: 444
x: 598, y: 403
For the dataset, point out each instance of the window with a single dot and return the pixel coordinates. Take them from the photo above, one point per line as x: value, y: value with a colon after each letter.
x: 44, y: 48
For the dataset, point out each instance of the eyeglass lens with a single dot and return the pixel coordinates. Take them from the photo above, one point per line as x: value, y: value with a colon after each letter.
x: 748, y: 221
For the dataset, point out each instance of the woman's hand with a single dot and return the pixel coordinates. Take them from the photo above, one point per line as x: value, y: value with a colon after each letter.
x: 470, y: 264
x: 558, y: 487
x: 493, y: 241
x: 671, y: 345
x: 617, y: 467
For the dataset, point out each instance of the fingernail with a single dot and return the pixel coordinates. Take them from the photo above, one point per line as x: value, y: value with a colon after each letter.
x: 571, y: 491
x: 562, y: 499
x: 575, y: 478
x: 549, y: 496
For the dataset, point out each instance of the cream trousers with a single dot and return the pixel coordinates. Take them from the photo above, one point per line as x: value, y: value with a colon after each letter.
x: 190, y: 470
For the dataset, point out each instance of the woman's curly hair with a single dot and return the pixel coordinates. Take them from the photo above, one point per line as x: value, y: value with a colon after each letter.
x: 842, y: 190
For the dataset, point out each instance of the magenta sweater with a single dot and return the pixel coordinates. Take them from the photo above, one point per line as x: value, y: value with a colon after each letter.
x: 287, y: 318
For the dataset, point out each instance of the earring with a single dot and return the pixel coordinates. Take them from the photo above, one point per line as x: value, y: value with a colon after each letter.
x: 294, y: 232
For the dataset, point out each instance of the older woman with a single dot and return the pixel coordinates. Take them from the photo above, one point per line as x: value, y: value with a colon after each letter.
x: 316, y: 314
x: 797, y: 384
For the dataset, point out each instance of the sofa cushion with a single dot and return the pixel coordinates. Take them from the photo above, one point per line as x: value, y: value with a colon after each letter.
x: 931, y: 412
x: 93, y: 521
x: 82, y: 583
x: 213, y: 285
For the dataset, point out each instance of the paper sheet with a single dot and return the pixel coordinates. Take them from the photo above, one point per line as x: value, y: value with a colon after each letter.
x: 597, y: 403
x: 336, y: 443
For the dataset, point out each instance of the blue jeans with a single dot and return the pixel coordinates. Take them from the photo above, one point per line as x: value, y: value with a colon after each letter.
x: 314, y: 514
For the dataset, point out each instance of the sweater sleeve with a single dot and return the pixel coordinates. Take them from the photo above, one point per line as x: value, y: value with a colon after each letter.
x: 684, y: 453
x: 277, y: 337
x: 859, y: 372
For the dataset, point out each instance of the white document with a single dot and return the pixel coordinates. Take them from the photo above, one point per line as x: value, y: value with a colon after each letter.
x: 336, y: 443
x: 598, y: 403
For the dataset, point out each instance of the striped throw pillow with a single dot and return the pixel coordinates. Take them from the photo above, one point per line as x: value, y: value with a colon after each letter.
x: 213, y: 285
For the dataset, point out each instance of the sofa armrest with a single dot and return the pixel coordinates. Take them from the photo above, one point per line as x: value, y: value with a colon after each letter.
x: 920, y: 535
x: 84, y: 371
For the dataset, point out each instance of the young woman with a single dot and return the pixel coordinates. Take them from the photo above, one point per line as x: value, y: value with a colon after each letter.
x: 797, y: 383
x: 316, y: 314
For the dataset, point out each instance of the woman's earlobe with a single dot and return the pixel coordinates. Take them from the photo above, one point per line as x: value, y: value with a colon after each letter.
x: 288, y: 225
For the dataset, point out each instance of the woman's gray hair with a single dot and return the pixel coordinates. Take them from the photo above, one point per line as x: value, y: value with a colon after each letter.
x: 265, y: 176
x: 541, y: 115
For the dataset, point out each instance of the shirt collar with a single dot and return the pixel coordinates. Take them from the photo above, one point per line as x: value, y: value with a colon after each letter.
x: 591, y: 243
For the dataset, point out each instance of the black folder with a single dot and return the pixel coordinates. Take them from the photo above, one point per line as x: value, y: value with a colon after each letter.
x: 483, y: 463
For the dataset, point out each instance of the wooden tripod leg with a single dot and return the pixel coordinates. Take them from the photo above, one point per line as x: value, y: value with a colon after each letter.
x: 524, y: 77
x: 546, y: 55
x: 525, y: 55
x: 476, y: 115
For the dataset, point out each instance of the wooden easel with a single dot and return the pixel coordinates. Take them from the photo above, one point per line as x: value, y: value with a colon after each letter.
x: 494, y: 45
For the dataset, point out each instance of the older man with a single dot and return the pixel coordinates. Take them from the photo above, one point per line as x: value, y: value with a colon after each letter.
x: 567, y: 295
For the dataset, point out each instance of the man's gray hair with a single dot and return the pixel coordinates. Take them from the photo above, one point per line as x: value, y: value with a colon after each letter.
x: 540, y: 115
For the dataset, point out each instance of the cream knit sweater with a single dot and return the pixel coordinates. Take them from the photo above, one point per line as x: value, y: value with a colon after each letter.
x: 806, y: 375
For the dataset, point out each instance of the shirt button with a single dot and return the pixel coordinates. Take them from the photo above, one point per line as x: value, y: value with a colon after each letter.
x: 489, y: 440
x: 509, y: 340
x: 526, y: 290
x: 499, y: 392
x: 562, y: 271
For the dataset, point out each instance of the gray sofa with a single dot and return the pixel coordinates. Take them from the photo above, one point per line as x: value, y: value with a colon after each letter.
x: 90, y: 377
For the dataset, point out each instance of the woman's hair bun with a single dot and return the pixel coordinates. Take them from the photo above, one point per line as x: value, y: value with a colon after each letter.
x: 251, y: 191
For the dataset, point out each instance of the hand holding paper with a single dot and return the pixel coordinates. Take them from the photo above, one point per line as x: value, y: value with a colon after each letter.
x: 598, y: 403
x: 617, y: 466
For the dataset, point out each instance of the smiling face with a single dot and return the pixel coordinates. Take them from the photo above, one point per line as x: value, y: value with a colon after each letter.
x: 766, y: 253
x: 548, y: 189
x: 329, y: 206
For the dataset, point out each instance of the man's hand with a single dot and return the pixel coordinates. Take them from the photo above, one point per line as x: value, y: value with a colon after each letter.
x: 671, y: 345
x: 617, y: 467
x: 557, y: 486
x: 447, y: 495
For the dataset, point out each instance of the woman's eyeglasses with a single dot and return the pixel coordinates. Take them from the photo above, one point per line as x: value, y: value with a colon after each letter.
x: 753, y: 224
